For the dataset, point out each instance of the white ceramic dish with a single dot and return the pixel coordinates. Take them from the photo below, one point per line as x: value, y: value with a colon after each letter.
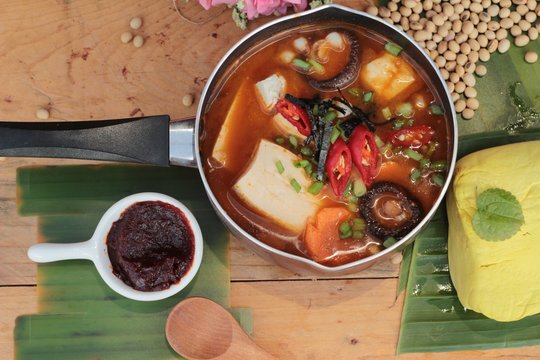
x: 95, y: 249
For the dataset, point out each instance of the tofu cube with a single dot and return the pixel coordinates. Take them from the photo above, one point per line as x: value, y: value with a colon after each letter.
x: 271, y: 194
x: 270, y: 90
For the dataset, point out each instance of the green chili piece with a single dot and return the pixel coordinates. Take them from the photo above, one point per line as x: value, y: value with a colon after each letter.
x: 354, y: 91
x: 315, y: 188
x: 392, y: 48
x: 438, y: 180
x: 368, y: 97
x: 439, y: 165
x: 293, y: 141
x: 415, y: 175
x: 296, y: 185
x: 389, y: 241
x: 301, y: 64
x: 415, y: 155
x: 279, y: 166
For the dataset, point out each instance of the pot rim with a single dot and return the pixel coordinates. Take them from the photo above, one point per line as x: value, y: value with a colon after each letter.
x: 209, y: 88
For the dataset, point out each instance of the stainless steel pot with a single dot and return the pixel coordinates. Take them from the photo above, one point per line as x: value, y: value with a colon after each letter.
x: 113, y: 140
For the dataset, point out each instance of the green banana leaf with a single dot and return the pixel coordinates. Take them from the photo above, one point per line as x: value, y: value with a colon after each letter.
x: 79, y: 316
x: 433, y: 319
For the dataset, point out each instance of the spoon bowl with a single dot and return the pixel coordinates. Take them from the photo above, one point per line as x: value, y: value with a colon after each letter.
x: 95, y: 249
x: 198, y: 328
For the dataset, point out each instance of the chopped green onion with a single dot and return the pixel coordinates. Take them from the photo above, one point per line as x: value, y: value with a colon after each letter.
x: 415, y: 175
x: 316, y: 66
x: 315, y: 188
x: 315, y: 110
x: 405, y: 109
x: 389, y: 241
x: 424, y: 163
x: 386, y: 113
x: 378, y: 141
x: 439, y: 165
x: 359, y: 188
x: 335, y: 134
x: 354, y: 91
x: 301, y: 163
x: 293, y: 141
x: 358, y: 224
x: 368, y: 97
x: 358, y: 234
x: 392, y: 48
x: 398, y: 124
x: 306, y: 151
x: 345, y: 230
x: 308, y: 168
x: 438, y: 179
x: 330, y: 116
x: 351, y: 198
x: 301, y: 64
x: 279, y: 166
x: 353, y: 207
x: 296, y: 185
x: 436, y: 109
x: 432, y: 147
x: 415, y: 155
x: 280, y: 140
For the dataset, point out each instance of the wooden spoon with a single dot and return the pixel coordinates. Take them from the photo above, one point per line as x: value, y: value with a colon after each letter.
x: 198, y: 328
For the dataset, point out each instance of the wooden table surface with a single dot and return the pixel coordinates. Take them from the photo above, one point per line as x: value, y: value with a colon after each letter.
x: 66, y: 56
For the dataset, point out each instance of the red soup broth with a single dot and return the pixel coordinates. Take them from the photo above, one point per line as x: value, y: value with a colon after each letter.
x: 248, y: 121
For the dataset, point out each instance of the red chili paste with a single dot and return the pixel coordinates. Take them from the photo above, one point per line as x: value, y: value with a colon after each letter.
x: 151, y: 246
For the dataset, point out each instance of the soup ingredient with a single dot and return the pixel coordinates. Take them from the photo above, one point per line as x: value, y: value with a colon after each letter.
x: 339, y: 166
x: 296, y: 115
x: 498, y: 215
x: 42, y: 113
x: 126, y: 37
x: 499, y: 279
x: 273, y: 195
x: 225, y: 136
x: 349, y: 72
x: 388, y: 76
x: 187, y: 100
x: 286, y: 127
x: 138, y: 41
x: 531, y: 57
x: 301, y: 45
x: 151, y: 246
x: 135, y: 23
x: 389, y: 210
x: 365, y: 153
x: 414, y: 136
x: 270, y: 90
x: 322, y: 232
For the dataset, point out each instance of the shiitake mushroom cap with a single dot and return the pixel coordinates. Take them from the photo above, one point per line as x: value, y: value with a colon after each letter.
x: 349, y: 72
x: 382, y: 194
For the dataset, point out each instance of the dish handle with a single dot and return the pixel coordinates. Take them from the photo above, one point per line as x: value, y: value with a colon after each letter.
x: 43, y: 253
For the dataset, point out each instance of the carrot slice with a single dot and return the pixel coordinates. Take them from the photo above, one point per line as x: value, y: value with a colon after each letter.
x: 321, y: 236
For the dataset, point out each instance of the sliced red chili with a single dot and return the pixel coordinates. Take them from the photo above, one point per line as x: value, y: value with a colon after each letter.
x: 365, y: 153
x: 338, y: 166
x: 414, y: 136
x: 295, y: 115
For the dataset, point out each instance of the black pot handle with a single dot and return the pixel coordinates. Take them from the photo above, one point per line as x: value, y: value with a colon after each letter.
x: 139, y: 140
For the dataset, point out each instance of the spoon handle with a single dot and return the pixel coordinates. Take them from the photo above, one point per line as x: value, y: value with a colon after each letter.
x: 43, y: 253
